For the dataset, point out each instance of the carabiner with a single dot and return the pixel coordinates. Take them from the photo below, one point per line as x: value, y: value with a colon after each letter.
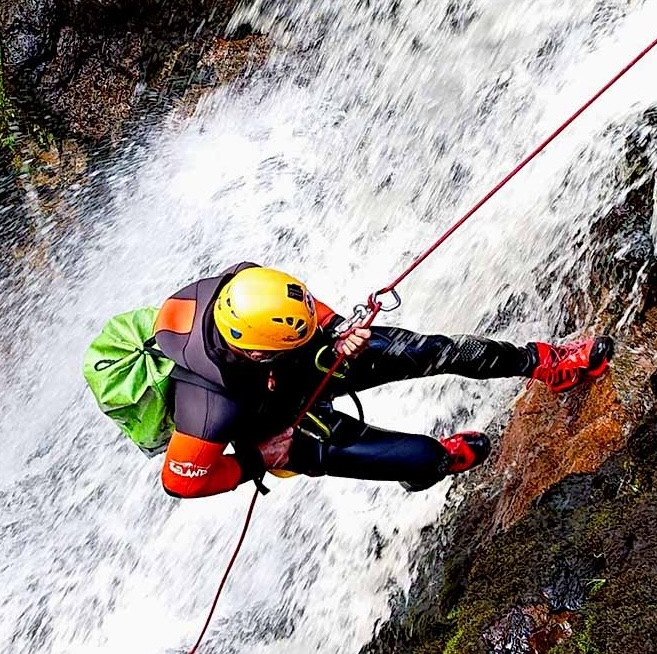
x: 375, y: 300
x: 324, y: 369
x: 360, y: 313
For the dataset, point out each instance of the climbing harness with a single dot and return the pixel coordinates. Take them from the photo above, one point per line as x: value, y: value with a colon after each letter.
x: 364, y: 314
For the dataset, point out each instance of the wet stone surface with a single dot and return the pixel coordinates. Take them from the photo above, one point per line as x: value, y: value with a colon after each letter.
x: 551, y: 546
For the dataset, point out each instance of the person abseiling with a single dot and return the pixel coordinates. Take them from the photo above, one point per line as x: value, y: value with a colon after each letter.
x: 251, y: 338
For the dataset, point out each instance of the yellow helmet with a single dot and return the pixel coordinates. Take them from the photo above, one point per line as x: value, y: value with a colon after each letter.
x: 264, y: 309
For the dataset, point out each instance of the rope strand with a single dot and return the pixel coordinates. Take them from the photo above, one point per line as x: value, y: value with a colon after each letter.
x: 228, y: 569
x: 518, y: 168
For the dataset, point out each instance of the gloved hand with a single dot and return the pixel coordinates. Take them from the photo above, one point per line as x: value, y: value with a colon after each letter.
x: 275, y: 451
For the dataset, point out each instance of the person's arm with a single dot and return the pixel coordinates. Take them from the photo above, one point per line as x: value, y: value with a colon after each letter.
x: 194, y: 467
x: 353, y: 342
x: 195, y: 464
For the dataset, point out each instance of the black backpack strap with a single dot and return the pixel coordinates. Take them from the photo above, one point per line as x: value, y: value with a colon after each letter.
x: 260, y: 486
x: 150, y: 346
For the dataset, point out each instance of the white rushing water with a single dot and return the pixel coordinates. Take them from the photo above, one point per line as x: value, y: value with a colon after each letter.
x: 372, y: 128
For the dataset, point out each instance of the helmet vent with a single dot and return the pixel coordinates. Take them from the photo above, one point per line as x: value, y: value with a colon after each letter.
x: 300, y: 323
x: 277, y: 320
x: 295, y: 292
x: 289, y: 321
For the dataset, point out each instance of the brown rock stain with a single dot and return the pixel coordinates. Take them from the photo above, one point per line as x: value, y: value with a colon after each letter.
x: 554, y: 436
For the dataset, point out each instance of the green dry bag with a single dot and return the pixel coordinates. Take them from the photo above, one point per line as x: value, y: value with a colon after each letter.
x: 130, y: 379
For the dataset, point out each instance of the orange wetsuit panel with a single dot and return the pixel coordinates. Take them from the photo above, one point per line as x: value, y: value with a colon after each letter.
x: 324, y: 313
x: 194, y: 467
x: 176, y: 316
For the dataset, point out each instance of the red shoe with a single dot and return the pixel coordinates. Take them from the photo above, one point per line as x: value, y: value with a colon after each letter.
x: 561, y: 367
x: 466, y: 450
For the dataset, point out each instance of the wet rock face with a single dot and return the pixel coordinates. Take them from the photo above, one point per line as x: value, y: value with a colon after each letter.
x: 529, y: 630
x: 551, y: 546
x: 576, y: 570
x: 79, y: 62
x: 569, y: 443
x: 621, y: 264
x: 28, y: 29
x: 78, y: 75
x: 99, y: 86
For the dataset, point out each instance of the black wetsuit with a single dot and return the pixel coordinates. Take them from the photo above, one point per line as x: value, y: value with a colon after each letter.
x: 364, y: 451
x: 259, y: 400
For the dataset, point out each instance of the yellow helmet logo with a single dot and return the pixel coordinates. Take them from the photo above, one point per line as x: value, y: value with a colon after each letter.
x: 265, y: 309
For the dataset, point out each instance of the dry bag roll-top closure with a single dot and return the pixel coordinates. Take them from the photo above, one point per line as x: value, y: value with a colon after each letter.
x: 130, y: 379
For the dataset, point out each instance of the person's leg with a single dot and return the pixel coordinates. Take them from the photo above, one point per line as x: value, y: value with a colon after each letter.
x: 360, y: 451
x: 394, y: 354
x: 419, y: 461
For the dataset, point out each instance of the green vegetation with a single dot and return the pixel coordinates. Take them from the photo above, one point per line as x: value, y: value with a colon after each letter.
x: 37, y: 135
x: 7, y: 118
x: 43, y: 138
x: 583, y: 639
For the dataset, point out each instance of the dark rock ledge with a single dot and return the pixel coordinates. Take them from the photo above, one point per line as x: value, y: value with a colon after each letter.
x: 79, y: 76
x: 79, y: 68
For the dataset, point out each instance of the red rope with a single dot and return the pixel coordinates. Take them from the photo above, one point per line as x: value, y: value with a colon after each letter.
x: 228, y: 569
x: 518, y: 168
x: 375, y: 306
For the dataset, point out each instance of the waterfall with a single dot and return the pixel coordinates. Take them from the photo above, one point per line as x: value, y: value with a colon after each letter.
x: 372, y: 127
